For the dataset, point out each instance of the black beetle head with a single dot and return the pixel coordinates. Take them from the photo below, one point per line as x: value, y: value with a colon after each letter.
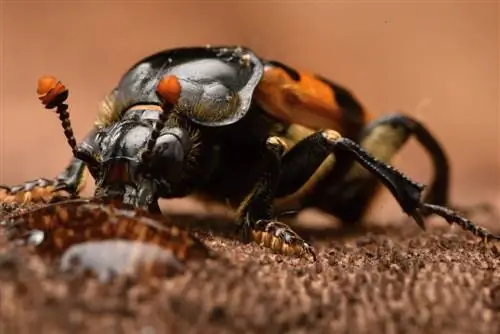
x: 129, y: 167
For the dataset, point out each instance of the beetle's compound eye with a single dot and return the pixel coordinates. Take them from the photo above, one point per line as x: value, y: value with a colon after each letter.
x: 51, y: 91
x: 169, y: 88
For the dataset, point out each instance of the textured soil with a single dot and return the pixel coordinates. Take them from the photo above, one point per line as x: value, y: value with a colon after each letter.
x: 380, y: 280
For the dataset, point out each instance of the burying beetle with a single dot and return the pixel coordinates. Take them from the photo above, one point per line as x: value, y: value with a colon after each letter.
x: 226, y: 125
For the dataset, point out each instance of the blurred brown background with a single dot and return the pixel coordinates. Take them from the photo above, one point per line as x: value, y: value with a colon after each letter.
x: 438, y: 61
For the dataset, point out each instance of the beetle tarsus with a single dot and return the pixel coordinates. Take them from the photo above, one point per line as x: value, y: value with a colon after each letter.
x: 453, y: 217
x: 479, y: 208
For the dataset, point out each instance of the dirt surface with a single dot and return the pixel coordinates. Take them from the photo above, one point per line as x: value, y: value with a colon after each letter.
x: 381, y: 280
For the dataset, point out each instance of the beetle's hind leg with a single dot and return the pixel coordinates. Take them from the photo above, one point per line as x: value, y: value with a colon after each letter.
x: 304, y: 159
x: 347, y: 194
x: 255, y: 212
x: 70, y: 181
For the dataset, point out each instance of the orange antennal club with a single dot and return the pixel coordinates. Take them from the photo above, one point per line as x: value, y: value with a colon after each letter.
x: 52, y: 93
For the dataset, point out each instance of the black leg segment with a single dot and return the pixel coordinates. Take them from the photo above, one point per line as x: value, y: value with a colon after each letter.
x: 348, y: 194
x: 407, y: 192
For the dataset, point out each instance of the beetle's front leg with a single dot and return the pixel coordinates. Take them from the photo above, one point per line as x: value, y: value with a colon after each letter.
x: 255, y: 212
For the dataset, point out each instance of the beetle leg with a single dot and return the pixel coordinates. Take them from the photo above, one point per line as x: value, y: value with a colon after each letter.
x: 255, y: 211
x: 308, y: 154
x: 348, y: 193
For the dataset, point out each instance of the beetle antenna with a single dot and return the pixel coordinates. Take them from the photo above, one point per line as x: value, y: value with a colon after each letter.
x: 53, y: 94
x: 169, y: 91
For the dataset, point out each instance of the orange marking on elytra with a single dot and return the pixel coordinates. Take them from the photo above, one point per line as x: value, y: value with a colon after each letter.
x: 309, y: 102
